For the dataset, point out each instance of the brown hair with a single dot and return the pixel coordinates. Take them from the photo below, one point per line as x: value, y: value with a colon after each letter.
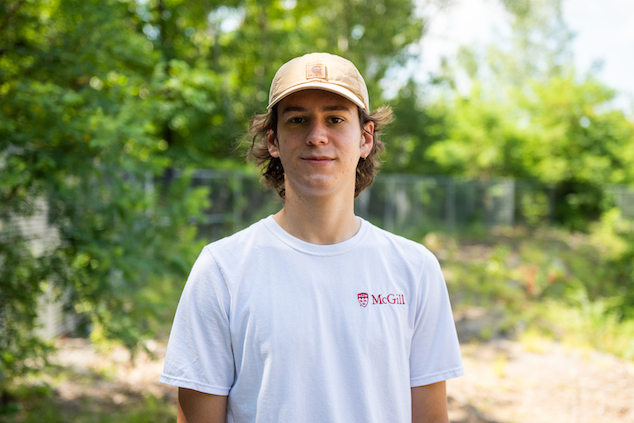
x: 272, y: 170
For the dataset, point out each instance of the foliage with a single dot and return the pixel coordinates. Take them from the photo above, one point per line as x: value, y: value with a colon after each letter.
x: 217, y: 59
x: 417, y: 127
x: 572, y: 287
x: 101, y: 102
x: 586, y: 323
x: 77, y: 133
x: 614, y: 237
x: 518, y: 108
x: 40, y: 405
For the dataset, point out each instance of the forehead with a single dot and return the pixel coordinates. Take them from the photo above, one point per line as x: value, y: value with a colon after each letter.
x: 315, y: 100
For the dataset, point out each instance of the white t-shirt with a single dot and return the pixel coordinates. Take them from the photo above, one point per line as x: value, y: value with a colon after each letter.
x: 297, y: 332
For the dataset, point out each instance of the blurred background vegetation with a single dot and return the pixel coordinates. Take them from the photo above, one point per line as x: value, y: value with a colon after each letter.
x: 106, y: 108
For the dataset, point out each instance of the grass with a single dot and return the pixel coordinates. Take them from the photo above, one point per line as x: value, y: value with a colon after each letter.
x: 36, y: 400
x: 46, y: 409
x: 551, y: 284
x: 590, y: 325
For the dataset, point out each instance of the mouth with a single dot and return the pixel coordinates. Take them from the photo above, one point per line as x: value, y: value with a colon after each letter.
x: 317, y: 159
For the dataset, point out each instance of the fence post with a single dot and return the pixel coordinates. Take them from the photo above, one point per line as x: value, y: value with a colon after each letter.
x: 510, y: 197
x: 363, y: 202
x: 388, y: 218
x: 451, y: 204
x: 551, y: 206
x: 237, y: 200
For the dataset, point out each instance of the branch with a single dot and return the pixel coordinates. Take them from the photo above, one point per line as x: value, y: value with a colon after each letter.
x: 6, y: 20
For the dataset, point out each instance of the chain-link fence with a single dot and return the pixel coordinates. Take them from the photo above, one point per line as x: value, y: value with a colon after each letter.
x: 623, y: 198
x: 399, y: 203
x: 406, y: 204
x: 403, y: 203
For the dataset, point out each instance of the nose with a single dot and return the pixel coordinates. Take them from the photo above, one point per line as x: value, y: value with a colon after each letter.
x: 317, y: 133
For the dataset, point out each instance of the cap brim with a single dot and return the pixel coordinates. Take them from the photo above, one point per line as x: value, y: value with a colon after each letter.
x: 316, y: 85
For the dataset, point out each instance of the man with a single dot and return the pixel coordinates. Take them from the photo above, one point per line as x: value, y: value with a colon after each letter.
x: 313, y: 314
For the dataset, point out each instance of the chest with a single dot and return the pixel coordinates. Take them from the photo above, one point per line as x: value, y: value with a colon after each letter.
x: 304, y: 306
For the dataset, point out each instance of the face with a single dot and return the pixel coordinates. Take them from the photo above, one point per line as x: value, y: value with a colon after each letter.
x: 319, y: 142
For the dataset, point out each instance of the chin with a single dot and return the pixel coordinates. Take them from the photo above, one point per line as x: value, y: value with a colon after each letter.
x: 319, y: 188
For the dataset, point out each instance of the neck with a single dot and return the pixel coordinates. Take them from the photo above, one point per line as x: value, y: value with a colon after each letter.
x: 320, y: 221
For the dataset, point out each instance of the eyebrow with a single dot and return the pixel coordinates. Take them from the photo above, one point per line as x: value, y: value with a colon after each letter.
x: 323, y: 109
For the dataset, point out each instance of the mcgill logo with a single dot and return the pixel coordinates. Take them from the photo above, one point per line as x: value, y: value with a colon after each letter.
x: 394, y: 299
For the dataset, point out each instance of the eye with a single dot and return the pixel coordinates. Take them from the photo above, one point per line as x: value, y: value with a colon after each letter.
x: 336, y: 120
x: 296, y: 119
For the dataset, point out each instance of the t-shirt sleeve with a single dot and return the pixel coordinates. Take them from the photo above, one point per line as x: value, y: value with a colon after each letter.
x: 435, y: 351
x: 199, y: 353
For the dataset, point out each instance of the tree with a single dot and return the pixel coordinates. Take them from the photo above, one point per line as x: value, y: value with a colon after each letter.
x: 103, y: 103
x: 417, y: 127
x: 77, y: 131
x: 217, y: 59
x: 529, y: 114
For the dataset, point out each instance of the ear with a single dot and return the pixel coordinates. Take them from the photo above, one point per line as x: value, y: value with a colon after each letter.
x: 367, y: 139
x: 272, y: 143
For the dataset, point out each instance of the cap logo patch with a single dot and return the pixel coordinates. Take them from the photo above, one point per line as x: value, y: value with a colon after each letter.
x: 315, y: 71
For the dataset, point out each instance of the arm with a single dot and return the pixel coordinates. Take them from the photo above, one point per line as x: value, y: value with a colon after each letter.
x: 198, y: 407
x: 429, y: 403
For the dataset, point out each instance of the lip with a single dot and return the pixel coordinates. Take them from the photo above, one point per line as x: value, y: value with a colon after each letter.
x: 317, y: 159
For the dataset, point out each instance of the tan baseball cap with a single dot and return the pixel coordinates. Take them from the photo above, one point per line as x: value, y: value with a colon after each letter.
x: 321, y: 71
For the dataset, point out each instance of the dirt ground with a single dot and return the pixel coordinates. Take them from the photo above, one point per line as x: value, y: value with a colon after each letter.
x: 508, y: 382
x: 505, y: 382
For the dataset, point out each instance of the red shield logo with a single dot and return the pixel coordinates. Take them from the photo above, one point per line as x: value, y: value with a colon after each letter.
x: 363, y: 299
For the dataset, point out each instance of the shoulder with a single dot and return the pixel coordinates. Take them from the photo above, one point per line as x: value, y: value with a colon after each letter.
x: 213, y: 267
x: 246, y: 237
x: 399, y: 246
x: 243, y: 248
